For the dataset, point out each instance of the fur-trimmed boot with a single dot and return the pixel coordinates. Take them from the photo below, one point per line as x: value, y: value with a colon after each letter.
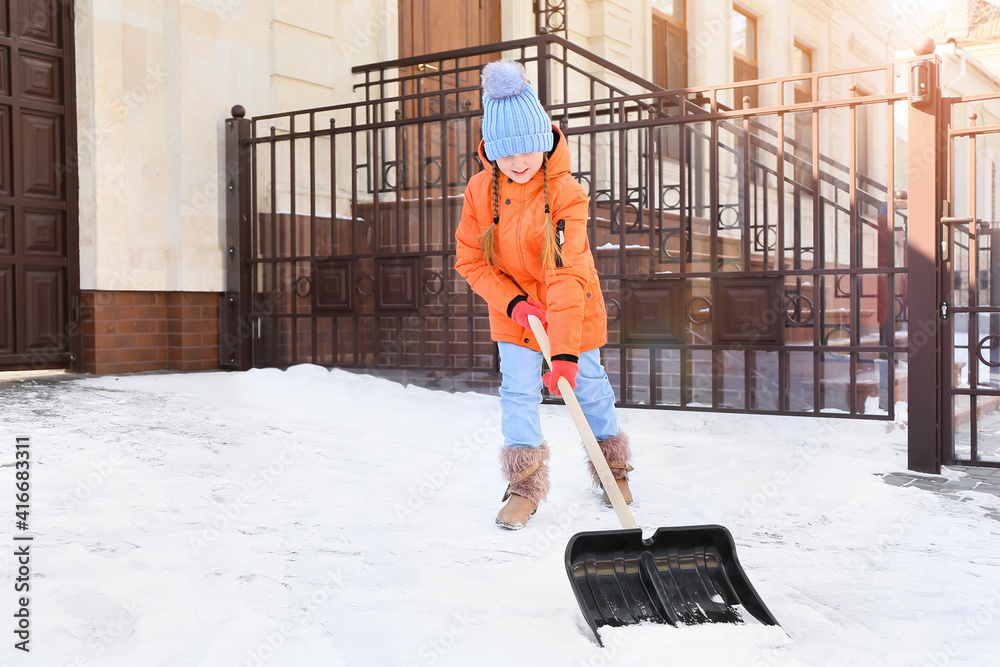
x: 527, y: 470
x: 618, y: 454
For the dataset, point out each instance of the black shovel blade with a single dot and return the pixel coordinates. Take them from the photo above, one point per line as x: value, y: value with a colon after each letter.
x: 686, y: 575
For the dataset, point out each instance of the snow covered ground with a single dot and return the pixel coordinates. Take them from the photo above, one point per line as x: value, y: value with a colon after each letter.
x: 311, y: 517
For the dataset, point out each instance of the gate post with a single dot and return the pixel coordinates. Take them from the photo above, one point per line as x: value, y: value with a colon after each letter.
x: 925, y: 163
x: 235, y: 305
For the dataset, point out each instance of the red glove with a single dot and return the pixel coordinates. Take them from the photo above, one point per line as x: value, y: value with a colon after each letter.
x: 524, y: 308
x: 561, y: 368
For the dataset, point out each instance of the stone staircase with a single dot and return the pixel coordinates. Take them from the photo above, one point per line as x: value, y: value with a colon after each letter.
x: 836, y: 392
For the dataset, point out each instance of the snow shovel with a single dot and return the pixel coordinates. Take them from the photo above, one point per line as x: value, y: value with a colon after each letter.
x: 687, y: 574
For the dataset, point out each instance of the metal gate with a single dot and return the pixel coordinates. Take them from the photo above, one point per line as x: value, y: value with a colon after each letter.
x: 752, y: 259
x: 39, y: 253
x: 970, y: 283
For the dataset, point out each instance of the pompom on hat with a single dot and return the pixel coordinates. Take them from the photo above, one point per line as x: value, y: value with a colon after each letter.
x: 513, y: 118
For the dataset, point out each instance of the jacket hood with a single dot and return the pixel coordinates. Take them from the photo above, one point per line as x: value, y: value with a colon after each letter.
x: 558, y: 156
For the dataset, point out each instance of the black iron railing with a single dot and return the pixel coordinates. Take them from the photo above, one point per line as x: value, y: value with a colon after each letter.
x: 745, y: 270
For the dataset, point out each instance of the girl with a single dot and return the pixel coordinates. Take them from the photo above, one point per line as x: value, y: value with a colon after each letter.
x: 522, y: 245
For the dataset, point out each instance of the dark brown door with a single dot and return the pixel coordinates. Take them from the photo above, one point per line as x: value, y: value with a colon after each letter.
x: 744, y: 56
x: 670, y: 65
x: 39, y: 270
x: 432, y: 26
x: 435, y: 26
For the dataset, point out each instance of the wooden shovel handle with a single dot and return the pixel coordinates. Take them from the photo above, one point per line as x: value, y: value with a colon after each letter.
x: 589, y: 440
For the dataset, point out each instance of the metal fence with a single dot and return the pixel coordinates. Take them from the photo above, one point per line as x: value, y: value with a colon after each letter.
x: 970, y: 282
x: 752, y: 259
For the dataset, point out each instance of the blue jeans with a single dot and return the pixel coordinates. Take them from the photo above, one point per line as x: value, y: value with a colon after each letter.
x: 521, y: 394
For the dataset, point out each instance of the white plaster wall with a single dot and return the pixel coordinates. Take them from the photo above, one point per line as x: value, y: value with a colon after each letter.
x: 155, y: 81
x: 710, y: 55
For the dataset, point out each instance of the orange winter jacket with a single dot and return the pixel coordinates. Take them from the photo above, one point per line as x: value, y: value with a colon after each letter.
x: 570, y: 295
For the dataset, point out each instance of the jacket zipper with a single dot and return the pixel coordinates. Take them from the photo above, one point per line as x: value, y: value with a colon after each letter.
x: 560, y: 237
x: 518, y: 237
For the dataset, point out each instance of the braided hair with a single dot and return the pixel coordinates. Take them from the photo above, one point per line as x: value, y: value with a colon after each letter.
x: 551, y: 248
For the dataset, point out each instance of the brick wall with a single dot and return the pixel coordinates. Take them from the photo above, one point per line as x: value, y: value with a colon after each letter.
x: 125, y: 332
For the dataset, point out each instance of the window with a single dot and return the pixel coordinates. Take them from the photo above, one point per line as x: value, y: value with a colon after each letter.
x: 669, y: 44
x: 802, y: 58
x: 802, y: 63
x: 670, y: 62
x: 672, y: 8
x: 744, y: 56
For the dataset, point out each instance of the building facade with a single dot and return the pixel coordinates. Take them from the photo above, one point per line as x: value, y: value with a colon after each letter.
x: 147, y: 83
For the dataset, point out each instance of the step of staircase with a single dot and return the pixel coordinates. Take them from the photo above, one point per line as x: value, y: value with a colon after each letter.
x: 985, y: 405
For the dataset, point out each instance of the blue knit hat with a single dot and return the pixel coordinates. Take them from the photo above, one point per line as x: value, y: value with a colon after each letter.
x: 513, y: 118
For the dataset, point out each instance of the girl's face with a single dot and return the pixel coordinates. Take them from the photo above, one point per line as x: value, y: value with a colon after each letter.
x: 520, y: 167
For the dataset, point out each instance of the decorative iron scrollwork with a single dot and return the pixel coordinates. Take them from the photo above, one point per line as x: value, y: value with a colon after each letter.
x: 772, y: 238
x: 691, y: 310
x: 371, y: 280
x: 830, y: 329
x: 298, y: 281
x: 979, y: 350
x: 550, y: 16
x: 665, y: 254
x: 618, y: 309
x: 729, y: 216
x: 838, y: 285
x: 434, y: 275
x: 432, y: 171
x: 793, y: 310
x: 670, y: 197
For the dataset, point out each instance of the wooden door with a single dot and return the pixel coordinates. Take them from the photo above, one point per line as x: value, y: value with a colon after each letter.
x: 670, y: 65
x: 439, y: 153
x: 39, y: 265
x: 432, y: 26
